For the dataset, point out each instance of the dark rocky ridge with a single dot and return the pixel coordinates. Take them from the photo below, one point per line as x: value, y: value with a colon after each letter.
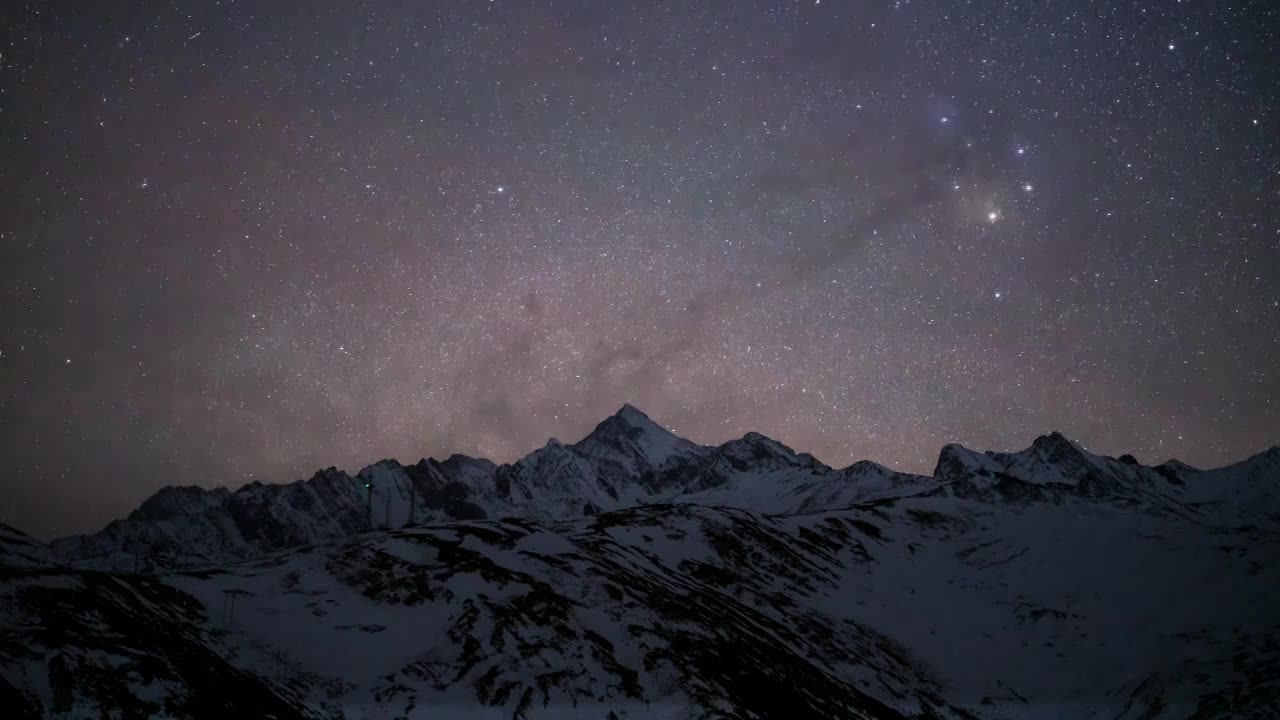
x: 633, y: 570
x: 626, y: 460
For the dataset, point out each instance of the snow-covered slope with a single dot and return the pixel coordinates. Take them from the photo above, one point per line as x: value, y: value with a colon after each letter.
x: 1071, y: 608
x: 638, y: 574
x: 663, y: 611
x: 1247, y: 492
x: 88, y: 645
x: 919, y: 606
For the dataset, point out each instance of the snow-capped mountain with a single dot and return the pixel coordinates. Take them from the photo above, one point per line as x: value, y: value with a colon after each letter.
x: 636, y: 574
x: 1247, y: 492
x: 627, y: 460
x: 628, y: 449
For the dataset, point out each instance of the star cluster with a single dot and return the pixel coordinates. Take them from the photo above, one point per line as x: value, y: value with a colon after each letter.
x: 242, y: 241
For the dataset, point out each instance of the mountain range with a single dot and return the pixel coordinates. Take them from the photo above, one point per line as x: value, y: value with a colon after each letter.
x: 638, y: 574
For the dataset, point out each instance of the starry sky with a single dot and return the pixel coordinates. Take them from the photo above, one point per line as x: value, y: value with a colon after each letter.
x: 241, y: 241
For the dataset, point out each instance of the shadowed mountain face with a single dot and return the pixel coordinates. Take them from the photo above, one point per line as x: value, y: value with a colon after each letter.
x: 636, y: 574
x: 627, y: 460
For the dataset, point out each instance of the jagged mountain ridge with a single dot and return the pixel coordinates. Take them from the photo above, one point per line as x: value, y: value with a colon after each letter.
x: 627, y: 460
x: 930, y: 605
x: 1247, y: 492
x: 755, y: 582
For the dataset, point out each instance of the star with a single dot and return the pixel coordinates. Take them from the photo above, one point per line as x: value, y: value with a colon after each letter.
x: 666, y: 218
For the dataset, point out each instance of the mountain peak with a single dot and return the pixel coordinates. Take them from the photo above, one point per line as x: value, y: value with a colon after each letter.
x: 754, y: 447
x: 1056, y: 448
x: 631, y: 433
x: 956, y: 461
x: 1054, y: 441
x: 633, y: 416
x: 1178, y: 466
x: 175, y: 500
x: 628, y: 420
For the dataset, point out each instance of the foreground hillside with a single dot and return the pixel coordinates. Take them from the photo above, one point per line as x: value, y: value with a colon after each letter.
x: 1050, y: 583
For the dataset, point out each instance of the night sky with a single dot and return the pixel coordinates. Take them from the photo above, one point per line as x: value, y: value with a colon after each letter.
x: 241, y: 241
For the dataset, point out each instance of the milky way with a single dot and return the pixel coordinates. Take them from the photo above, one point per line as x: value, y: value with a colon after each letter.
x: 242, y: 241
